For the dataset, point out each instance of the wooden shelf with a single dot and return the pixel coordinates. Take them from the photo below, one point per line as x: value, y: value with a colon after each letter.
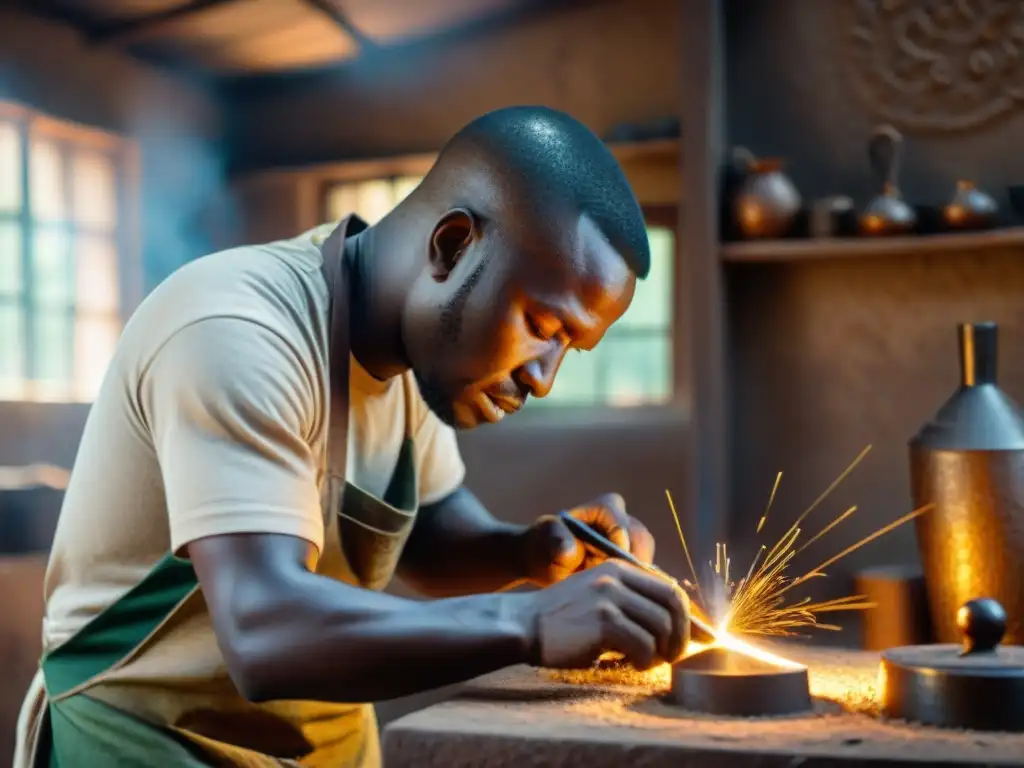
x: 868, y: 247
x: 651, y: 149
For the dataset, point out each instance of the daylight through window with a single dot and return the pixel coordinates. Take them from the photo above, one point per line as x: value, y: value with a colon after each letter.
x: 60, y: 314
x: 633, y: 363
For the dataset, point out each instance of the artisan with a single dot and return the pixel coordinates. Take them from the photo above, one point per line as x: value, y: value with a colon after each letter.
x: 275, y: 439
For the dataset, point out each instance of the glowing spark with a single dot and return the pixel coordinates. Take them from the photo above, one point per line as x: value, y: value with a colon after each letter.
x: 771, y: 500
x: 686, y: 550
x: 866, y: 540
x: 827, y: 528
x: 835, y: 483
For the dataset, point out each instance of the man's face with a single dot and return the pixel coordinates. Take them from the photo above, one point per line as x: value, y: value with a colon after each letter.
x: 497, y: 309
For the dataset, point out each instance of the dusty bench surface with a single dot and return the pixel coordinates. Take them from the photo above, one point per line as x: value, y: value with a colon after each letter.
x: 521, y: 718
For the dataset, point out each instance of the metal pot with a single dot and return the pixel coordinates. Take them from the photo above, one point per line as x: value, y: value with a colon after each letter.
x: 968, y: 461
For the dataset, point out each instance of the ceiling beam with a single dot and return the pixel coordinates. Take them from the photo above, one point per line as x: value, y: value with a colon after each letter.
x: 121, y: 33
x: 492, y: 23
x: 342, y: 22
x: 518, y: 13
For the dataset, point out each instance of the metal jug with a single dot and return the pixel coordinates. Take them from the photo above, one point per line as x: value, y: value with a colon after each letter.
x: 968, y: 461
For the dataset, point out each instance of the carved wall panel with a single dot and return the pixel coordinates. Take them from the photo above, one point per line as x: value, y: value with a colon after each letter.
x: 937, y: 65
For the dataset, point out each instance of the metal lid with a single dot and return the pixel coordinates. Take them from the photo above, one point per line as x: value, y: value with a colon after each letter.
x: 979, y: 685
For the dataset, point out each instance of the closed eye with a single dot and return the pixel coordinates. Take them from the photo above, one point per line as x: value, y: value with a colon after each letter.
x: 535, y: 329
x: 555, y: 331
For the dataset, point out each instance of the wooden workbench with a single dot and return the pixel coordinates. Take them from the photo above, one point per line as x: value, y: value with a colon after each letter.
x: 523, y: 718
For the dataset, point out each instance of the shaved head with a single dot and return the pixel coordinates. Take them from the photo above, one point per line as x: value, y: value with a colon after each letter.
x: 553, y: 167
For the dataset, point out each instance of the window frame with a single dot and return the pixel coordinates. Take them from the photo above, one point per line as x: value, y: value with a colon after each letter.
x: 125, y: 156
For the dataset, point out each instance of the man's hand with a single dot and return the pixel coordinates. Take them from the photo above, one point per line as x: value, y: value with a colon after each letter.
x: 553, y: 553
x: 612, y: 608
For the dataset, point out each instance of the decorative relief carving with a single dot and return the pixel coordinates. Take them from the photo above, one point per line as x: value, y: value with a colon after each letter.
x: 943, y: 65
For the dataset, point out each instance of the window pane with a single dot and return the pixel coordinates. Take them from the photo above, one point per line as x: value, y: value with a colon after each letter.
x: 636, y: 369
x: 46, y: 180
x: 10, y: 258
x: 576, y: 382
x: 52, y: 351
x: 53, y: 273
x: 652, y: 303
x: 95, y: 341
x: 375, y: 199
x: 10, y: 167
x: 12, y: 351
x: 96, y: 267
x: 341, y: 201
x: 95, y: 190
x: 404, y: 185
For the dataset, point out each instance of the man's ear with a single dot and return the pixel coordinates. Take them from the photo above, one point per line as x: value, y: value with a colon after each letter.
x: 451, y: 236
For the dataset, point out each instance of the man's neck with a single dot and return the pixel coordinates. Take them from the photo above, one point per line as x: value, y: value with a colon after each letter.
x: 378, y: 296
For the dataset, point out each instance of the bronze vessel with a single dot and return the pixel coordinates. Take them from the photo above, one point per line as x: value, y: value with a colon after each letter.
x: 887, y: 213
x: 970, y: 208
x: 968, y: 461
x: 766, y: 203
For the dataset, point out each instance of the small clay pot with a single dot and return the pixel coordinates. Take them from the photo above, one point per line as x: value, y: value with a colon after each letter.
x: 767, y: 202
x: 970, y: 208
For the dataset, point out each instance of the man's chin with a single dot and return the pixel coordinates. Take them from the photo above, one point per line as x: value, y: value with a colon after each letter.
x: 459, y: 416
x: 462, y: 412
x: 463, y: 417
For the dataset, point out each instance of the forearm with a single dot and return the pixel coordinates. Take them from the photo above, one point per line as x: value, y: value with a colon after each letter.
x: 457, y: 547
x: 326, y: 641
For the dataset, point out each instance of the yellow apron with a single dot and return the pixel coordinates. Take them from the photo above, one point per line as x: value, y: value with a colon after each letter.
x: 144, y: 683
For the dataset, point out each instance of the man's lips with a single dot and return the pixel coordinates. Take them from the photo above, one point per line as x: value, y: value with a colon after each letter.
x: 507, y: 404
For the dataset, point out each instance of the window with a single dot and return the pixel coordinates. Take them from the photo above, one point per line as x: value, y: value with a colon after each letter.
x: 60, y: 307
x: 633, y: 363
x: 371, y: 200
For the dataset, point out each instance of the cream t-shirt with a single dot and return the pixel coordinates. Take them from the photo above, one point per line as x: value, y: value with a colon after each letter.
x: 212, y: 420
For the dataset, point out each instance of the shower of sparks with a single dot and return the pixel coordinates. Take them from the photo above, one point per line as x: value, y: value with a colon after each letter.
x: 755, y: 605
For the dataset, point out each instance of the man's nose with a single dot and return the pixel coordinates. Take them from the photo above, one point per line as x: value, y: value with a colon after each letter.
x: 538, y: 375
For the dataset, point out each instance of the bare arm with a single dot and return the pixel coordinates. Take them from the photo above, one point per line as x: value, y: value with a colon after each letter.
x: 457, y: 547
x: 230, y: 404
x: 288, y: 633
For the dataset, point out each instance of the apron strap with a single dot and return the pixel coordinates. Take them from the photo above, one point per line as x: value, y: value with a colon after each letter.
x: 337, y: 275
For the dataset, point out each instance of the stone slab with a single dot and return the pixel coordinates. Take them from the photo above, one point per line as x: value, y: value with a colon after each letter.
x: 523, y: 717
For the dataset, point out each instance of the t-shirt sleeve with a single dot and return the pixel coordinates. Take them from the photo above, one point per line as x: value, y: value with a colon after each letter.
x: 230, y: 405
x: 440, y: 466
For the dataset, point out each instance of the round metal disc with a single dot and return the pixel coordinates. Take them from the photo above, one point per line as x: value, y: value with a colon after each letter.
x: 939, y: 685
x: 721, y: 682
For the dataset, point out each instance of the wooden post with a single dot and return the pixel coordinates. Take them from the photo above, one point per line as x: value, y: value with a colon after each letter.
x: 700, y: 360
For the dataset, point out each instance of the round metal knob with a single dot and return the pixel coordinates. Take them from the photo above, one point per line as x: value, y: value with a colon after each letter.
x: 983, y: 623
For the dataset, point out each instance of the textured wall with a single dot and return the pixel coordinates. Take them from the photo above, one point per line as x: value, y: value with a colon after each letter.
x: 828, y: 357
x: 797, y: 90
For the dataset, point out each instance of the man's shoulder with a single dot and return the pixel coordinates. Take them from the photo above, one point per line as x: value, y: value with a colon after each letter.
x: 275, y: 284
x: 282, y: 265
x: 276, y: 288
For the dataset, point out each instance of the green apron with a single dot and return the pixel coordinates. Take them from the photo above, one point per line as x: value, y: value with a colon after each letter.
x: 143, y: 684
